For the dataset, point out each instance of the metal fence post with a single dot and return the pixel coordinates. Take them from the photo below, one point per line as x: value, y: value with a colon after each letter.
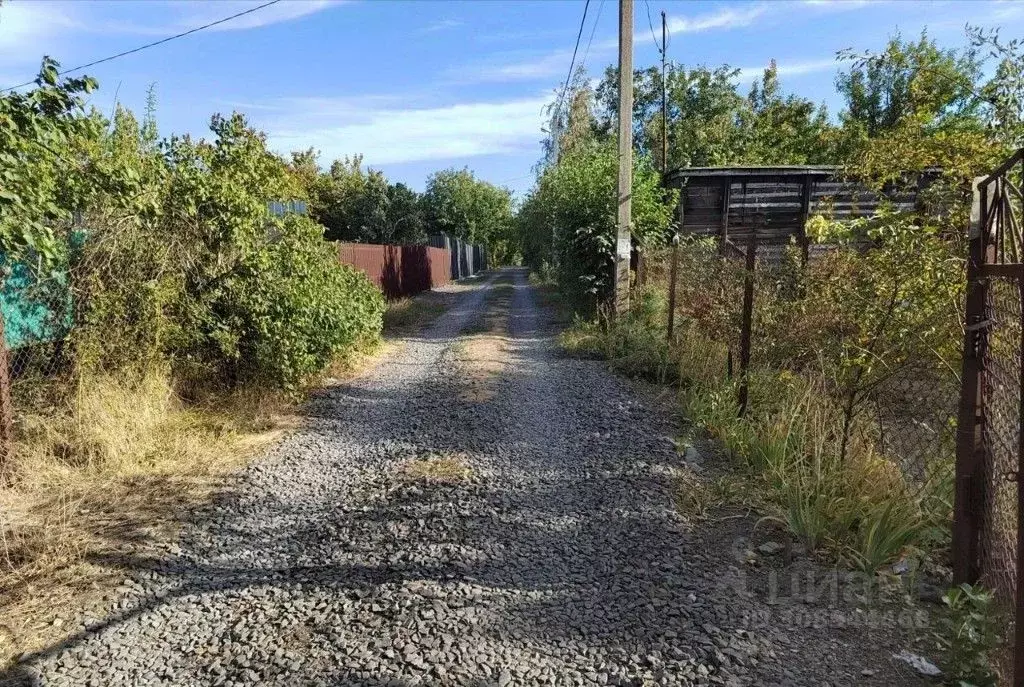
x: 748, y: 320
x: 672, y: 275
x: 970, y: 416
x: 6, y: 408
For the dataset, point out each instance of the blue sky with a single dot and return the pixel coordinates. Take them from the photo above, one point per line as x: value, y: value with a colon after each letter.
x: 416, y: 86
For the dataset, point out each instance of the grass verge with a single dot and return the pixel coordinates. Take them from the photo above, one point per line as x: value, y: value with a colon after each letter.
x: 852, y: 504
x: 100, y: 477
x: 407, y: 315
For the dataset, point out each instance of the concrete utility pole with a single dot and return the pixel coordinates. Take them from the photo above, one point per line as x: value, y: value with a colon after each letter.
x: 664, y: 96
x: 622, y: 242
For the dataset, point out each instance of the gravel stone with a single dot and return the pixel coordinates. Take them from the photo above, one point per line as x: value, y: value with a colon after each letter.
x: 561, y: 560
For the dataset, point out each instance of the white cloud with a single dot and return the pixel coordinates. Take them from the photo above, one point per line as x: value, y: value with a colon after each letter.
x: 740, y: 15
x: 275, y: 14
x: 25, y: 25
x: 732, y: 17
x: 841, y: 4
x: 181, y: 15
x: 442, y: 25
x: 386, y: 132
x: 536, y: 67
x: 796, y: 68
x: 555, y: 64
x: 1006, y: 11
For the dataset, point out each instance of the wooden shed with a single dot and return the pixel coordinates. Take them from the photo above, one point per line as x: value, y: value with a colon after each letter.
x: 729, y: 201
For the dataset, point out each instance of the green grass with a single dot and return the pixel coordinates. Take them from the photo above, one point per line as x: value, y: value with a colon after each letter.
x: 407, y: 315
x: 855, y: 507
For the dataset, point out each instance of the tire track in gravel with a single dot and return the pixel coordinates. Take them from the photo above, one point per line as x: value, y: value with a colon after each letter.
x: 550, y: 554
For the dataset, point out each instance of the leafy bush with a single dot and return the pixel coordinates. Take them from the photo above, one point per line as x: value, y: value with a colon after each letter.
x: 177, y: 258
x: 295, y: 308
x: 969, y: 634
x: 264, y: 300
x: 569, y: 219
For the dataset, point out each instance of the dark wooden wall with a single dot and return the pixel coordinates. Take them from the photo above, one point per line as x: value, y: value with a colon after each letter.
x: 717, y: 202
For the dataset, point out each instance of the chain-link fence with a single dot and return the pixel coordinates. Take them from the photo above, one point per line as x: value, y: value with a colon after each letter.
x: 926, y: 396
x: 1001, y: 391
x: 36, y: 312
x: 990, y: 452
x: 894, y: 395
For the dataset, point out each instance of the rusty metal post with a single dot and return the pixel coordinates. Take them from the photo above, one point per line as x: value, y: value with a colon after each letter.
x: 748, y: 320
x: 805, y: 213
x: 1018, y: 629
x: 723, y: 230
x: 673, y: 274
x: 6, y: 408
x: 967, y: 517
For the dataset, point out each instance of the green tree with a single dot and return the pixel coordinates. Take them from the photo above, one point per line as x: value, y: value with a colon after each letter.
x: 41, y: 178
x: 457, y: 203
x: 909, y: 79
x: 405, y: 215
x: 356, y: 204
x: 710, y: 123
x: 784, y: 130
x: 1003, y: 93
x: 568, y: 220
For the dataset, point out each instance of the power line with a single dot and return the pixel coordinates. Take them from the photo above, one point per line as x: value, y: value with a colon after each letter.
x: 153, y: 44
x: 651, y: 24
x: 593, y: 30
x: 573, y: 61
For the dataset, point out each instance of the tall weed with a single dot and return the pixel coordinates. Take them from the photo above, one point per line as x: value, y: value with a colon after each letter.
x: 829, y: 492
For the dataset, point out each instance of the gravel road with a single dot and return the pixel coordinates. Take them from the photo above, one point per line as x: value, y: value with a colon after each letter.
x: 556, y: 557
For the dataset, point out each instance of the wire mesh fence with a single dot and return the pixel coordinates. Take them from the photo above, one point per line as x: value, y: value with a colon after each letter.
x: 928, y: 395
x: 898, y: 404
x: 990, y: 453
x: 1001, y: 391
x: 36, y: 316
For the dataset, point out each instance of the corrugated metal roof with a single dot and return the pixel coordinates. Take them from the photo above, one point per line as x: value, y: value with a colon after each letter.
x: 766, y: 171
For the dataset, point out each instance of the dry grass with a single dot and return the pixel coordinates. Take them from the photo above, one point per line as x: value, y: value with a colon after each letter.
x: 450, y: 469
x: 484, y: 354
x: 102, y: 476
x: 408, y: 315
x: 484, y: 359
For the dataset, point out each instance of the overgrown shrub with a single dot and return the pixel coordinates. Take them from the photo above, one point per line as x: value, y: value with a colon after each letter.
x: 170, y: 252
x: 832, y: 342
x: 568, y: 220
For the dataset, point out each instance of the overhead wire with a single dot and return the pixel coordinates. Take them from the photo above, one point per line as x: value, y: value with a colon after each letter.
x: 651, y: 24
x: 593, y: 30
x: 572, y: 62
x: 152, y: 44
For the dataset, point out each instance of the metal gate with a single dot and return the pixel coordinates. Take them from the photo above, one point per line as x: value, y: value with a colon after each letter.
x: 988, y: 540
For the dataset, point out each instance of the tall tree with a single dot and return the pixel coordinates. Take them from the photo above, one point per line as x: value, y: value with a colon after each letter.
x: 784, y: 129
x: 405, y: 215
x: 909, y: 79
x: 459, y: 204
x: 359, y: 205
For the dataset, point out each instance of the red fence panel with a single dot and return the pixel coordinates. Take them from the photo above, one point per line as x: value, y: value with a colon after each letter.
x: 399, y: 270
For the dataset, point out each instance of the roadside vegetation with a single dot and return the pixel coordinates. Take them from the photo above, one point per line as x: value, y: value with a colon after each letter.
x: 174, y: 323
x: 361, y: 205
x: 878, y: 307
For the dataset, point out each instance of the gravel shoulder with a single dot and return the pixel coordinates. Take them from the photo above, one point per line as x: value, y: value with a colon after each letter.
x: 475, y: 514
